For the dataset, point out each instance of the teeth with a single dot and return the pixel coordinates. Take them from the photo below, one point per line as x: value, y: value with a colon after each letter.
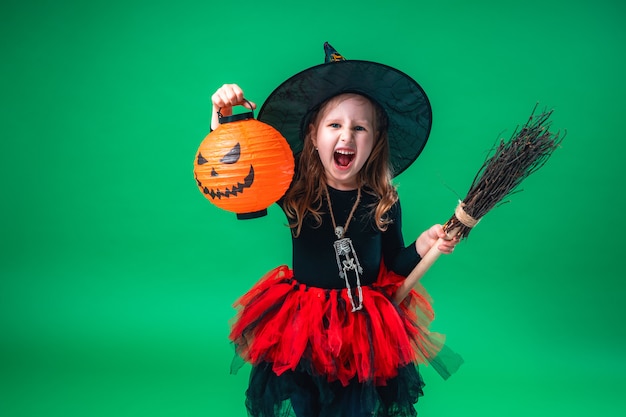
x: 344, y: 152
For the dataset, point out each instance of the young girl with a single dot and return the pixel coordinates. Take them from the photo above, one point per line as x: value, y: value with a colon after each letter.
x: 325, y: 338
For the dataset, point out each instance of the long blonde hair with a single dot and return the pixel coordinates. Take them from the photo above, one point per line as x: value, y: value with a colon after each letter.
x: 307, y: 189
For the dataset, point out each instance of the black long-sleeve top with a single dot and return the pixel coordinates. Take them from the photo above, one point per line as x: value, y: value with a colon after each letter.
x: 314, y: 259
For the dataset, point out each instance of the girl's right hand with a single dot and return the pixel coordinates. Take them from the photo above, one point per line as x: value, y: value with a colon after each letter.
x: 224, y: 99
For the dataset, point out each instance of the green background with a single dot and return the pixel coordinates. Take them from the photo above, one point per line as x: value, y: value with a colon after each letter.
x: 117, y: 277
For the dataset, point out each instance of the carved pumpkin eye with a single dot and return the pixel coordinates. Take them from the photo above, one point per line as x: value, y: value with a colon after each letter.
x: 232, y: 156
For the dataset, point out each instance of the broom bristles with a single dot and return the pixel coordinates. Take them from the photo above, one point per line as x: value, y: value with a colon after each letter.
x: 512, y: 161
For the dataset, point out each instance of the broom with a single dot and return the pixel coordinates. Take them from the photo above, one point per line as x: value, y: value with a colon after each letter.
x: 512, y: 161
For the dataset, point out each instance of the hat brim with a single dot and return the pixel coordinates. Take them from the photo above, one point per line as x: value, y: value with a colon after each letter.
x: 409, y: 113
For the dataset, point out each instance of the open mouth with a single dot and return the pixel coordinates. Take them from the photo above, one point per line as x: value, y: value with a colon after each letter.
x: 344, y: 157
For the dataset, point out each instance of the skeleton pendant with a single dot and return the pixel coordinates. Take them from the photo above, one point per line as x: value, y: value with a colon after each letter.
x: 347, y: 261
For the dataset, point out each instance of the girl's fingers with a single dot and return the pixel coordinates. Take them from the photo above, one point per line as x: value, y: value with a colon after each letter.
x: 230, y: 95
x: 449, y: 245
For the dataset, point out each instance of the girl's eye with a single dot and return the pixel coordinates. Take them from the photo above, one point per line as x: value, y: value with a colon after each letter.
x: 334, y: 125
x: 360, y: 128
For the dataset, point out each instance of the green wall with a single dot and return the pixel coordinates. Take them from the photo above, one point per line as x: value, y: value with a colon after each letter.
x: 117, y: 277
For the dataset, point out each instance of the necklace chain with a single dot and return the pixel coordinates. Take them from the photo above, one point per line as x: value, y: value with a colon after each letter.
x: 341, y: 231
x: 347, y: 261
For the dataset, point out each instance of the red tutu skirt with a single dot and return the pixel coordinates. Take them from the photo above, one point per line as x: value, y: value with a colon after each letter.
x: 287, y: 325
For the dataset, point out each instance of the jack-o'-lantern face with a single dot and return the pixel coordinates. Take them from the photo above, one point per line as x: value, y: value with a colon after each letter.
x: 244, y: 166
x: 228, y: 187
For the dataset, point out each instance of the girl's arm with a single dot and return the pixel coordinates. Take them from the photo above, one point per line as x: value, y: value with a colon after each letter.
x: 402, y: 259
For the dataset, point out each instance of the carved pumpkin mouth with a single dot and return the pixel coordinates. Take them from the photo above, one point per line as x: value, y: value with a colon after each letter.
x: 233, y: 190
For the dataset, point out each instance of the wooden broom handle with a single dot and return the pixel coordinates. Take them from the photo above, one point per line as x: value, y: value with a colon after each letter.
x: 420, y: 269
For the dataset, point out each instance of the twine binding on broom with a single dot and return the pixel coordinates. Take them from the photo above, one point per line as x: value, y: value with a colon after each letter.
x: 463, y: 217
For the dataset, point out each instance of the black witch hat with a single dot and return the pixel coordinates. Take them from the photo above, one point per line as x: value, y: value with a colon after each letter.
x: 290, y: 106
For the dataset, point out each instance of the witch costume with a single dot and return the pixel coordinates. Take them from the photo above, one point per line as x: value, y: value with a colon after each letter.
x: 325, y: 338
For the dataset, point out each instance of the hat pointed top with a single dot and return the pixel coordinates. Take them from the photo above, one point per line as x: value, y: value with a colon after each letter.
x: 331, y: 54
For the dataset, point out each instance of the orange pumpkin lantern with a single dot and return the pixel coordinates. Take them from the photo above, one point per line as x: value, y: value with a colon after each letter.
x: 244, y: 165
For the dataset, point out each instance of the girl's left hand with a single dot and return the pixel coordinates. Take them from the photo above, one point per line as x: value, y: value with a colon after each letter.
x: 430, y: 237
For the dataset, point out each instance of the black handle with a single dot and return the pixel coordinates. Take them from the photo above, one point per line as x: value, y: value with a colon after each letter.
x: 235, y: 117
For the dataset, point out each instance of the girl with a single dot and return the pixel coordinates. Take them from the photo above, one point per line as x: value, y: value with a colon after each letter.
x: 325, y: 338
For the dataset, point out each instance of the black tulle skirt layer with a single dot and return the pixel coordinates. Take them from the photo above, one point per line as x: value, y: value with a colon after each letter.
x: 312, y: 356
x: 297, y: 393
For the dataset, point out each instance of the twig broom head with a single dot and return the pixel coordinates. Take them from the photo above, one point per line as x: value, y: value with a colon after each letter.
x: 505, y: 168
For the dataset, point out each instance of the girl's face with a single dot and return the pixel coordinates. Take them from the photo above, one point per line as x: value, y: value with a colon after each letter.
x: 344, y: 137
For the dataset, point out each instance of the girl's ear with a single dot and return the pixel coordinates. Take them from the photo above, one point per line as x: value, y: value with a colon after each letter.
x: 313, y: 135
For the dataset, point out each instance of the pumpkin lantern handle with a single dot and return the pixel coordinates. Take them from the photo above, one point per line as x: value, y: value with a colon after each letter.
x: 235, y: 117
